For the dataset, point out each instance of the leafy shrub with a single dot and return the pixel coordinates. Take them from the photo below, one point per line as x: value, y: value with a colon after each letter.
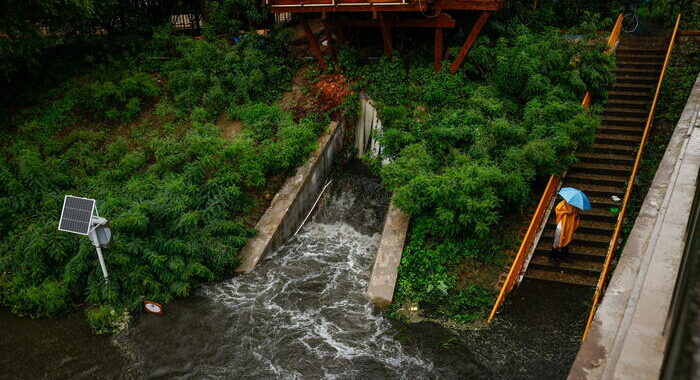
x: 465, y: 149
x: 177, y: 197
x: 210, y: 74
x: 117, y: 101
x: 104, y: 319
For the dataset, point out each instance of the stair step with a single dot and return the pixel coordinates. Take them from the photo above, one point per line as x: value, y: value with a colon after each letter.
x: 601, y: 169
x: 624, y: 112
x: 609, y: 138
x: 606, y: 158
x: 629, y: 95
x: 592, y: 254
x: 646, y: 71
x: 637, y: 79
x: 604, y: 203
x: 631, y: 49
x: 639, y: 64
x: 640, y: 54
x: 645, y: 42
x: 577, y: 279
x: 637, y: 104
x: 622, y: 86
x: 590, y: 268
x: 625, y: 120
x: 640, y: 87
x: 620, y: 130
x: 607, y: 148
x: 598, y: 179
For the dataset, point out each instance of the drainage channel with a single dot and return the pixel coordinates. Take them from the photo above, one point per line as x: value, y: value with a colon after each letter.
x: 301, y: 314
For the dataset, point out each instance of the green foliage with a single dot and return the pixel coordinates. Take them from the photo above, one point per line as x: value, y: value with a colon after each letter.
x: 210, y: 74
x: 118, y: 100
x: 104, y: 319
x: 465, y: 149
x: 177, y: 192
x: 231, y: 16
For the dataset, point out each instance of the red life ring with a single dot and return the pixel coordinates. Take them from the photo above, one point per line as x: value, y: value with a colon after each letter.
x: 153, y: 307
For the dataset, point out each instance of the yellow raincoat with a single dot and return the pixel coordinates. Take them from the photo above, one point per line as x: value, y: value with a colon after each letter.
x: 567, y: 218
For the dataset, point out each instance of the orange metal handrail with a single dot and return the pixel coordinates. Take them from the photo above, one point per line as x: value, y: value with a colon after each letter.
x: 615, y: 34
x: 549, y: 193
x: 630, y: 184
x: 525, y: 246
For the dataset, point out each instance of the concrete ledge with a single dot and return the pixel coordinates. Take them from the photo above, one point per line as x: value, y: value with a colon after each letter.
x: 291, y: 204
x: 385, y: 271
x: 627, y: 339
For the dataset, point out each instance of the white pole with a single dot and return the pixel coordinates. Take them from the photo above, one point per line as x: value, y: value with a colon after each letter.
x: 96, y: 243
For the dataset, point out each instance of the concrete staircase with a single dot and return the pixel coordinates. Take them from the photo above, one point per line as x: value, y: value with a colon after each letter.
x: 604, y: 170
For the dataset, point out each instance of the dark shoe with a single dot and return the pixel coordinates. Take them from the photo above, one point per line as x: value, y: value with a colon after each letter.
x: 554, y: 260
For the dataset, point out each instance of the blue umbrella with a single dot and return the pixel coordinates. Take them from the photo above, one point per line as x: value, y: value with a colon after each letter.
x: 575, y: 197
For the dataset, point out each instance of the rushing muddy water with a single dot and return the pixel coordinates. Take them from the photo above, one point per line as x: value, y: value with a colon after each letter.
x: 302, y: 315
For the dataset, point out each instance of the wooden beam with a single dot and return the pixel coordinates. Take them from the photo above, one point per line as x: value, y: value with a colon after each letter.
x: 314, y: 6
x: 386, y: 34
x: 312, y: 42
x: 438, y: 49
x: 470, y: 41
x: 443, y: 20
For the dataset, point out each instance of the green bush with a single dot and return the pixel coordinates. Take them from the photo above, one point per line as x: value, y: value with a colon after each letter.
x: 213, y: 75
x: 464, y: 150
x: 104, y: 319
x: 177, y: 195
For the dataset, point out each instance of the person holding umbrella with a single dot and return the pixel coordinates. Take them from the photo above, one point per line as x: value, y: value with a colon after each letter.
x: 567, y: 222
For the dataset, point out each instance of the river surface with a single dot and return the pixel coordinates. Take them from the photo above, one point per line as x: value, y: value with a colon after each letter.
x: 302, y: 315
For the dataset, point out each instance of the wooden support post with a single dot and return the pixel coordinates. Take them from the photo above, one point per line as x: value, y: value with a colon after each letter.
x: 329, y: 39
x: 438, y: 49
x: 312, y: 41
x: 470, y: 41
x: 386, y: 35
x: 340, y: 33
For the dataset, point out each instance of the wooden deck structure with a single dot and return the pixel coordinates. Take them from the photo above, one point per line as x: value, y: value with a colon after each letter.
x: 337, y: 15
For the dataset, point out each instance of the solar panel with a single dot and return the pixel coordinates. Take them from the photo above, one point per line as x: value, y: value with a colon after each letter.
x: 76, y: 216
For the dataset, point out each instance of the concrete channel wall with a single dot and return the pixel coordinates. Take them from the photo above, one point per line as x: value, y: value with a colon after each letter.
x: 386, y: 266
x: 293, y: 202
x: 628, y: 337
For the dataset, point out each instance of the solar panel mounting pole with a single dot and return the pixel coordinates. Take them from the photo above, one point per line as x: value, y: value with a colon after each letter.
x: 96, y: 243
x: 79, y: 216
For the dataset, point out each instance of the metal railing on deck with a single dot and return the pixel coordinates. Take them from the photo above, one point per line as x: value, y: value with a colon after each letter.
x: 630, y: 184
x: 517, y: 268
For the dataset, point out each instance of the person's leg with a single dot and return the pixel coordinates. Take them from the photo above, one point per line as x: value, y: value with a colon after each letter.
x: 554, y: 256
x: 564, y: 256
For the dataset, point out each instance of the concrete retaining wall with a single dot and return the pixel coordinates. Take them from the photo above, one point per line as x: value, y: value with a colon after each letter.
x: 628, y: 336
x: 385, y: 271
x: 293, y: 202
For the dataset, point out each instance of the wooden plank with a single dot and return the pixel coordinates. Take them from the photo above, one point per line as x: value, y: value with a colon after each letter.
x: 313, y: 6
x: 443, y: 20
x: 438, y: 49
x: 312, y: 42
x: 470, y: 41
x: 386, y: 34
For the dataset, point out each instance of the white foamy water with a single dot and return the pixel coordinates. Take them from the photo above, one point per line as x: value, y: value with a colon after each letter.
x: 301, y: 314
x: 306, y: 300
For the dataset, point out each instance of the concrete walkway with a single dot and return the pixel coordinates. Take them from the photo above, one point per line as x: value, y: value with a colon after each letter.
x: 628, y: 337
